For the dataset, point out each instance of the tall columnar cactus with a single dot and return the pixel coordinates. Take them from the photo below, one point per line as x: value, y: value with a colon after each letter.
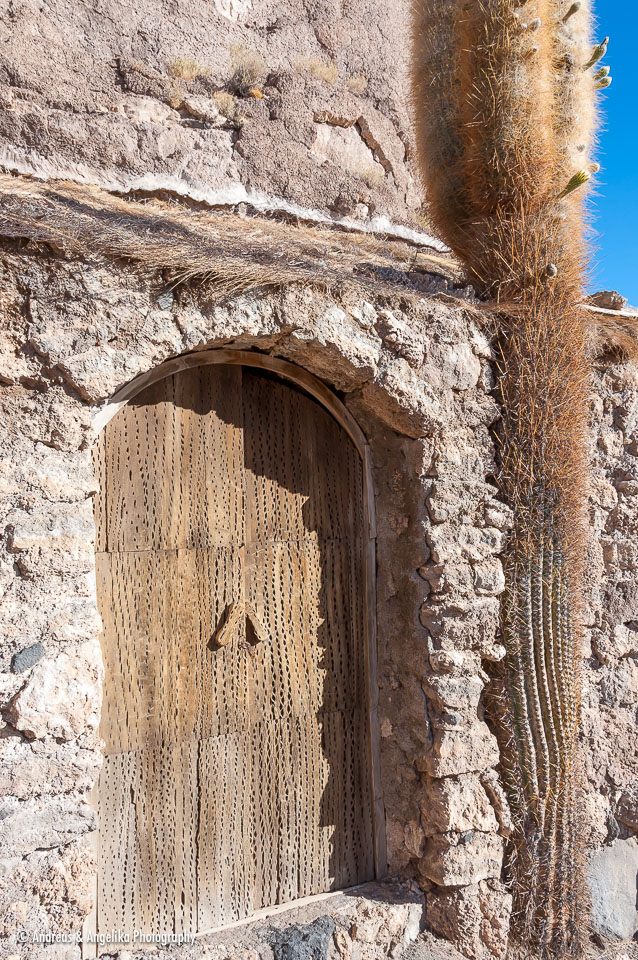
x: 504, y: 96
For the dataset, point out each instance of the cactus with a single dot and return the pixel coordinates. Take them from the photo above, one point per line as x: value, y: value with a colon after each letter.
x: 504, y: 119
x: 575, y: 7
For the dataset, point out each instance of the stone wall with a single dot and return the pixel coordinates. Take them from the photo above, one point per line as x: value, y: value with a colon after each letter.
x: 417, y: 378
x: 146, y: 97
x: 610, y: 718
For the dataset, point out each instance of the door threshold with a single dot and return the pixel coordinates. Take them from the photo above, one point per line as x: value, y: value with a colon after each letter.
x: 265, y: 912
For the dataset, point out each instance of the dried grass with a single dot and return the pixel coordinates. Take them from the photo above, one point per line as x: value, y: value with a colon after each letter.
x: 249, y: 70
x: 373, y: 174
x: 614, y: 333
x: 229, y: 108
x: 326, y: 70
x: 357, y: 83
x: 231, y: 252
x: 175, y: 93
x: 187, y: 68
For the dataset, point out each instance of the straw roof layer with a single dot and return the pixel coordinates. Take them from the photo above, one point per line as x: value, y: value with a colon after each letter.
x: 235, y: 252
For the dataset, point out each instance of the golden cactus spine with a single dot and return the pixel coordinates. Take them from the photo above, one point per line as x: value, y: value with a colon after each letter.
x: 504, y: 97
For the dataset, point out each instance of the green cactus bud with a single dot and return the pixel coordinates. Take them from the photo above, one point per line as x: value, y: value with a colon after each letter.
x: 575, y: 7
x: 597, y: 53
x: 602, y: 72
x: 603, y: 83
x: 576, y: 181
x: 534, y: 24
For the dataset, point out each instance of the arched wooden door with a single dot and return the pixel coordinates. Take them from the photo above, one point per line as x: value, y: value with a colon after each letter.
x: 230, y: 579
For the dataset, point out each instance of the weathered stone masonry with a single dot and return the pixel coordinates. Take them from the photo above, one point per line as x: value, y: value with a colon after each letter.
x: 417, y: 377
x: 418, y: 384
x: 89, y: 92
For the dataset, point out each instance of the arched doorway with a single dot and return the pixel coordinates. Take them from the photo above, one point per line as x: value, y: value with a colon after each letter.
x: 232, y: 557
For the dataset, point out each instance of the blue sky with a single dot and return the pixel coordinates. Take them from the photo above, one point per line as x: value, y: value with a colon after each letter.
x: 615, y: 203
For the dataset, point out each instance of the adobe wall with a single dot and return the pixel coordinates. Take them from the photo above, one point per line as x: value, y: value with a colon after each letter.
x: 418, y: 383
x: 96, y: 93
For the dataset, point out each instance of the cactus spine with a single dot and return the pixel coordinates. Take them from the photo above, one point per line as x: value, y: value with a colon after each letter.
x: 504, y: 117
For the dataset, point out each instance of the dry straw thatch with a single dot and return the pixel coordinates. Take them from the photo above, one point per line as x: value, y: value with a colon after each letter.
x: 234, y: 252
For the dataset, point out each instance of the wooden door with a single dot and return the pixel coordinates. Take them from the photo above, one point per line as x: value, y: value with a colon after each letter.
x: 230, y: 553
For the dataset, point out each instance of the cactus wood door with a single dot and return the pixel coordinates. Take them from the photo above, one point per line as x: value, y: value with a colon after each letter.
x: 231, y: 542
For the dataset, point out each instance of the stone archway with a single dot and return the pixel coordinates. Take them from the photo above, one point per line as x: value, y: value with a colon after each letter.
x: 235, y: 573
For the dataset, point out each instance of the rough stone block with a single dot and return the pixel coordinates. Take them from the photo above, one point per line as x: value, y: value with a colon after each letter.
x: 399, y: 334
x: 302, y: 943
x: 35, y: 768
x: 448, y: 579
x: 475, y: 918
x: 627, y: 807
x: 454, y: 860
x: 494, y: 789
x: 404, y: 401
x: 612, y: 875
x: 462, y: 623
x: 39, y: 823
x: 458, y: 367
x: 460, y: 751
x: 62, y: 696
x: 458, y: 500
x: 609, y: 644
x: 489, y: 578
x: 27, y: 658
x: 66, y: 888
x: 498, y: 515
x: 457, y: 804
x: 332, y: 348
x: 622, y: 601
x: 459, y: 694
x: 457, y: 662
x: 619, y: 684
x: 67, y: 526
x: 450, y: 542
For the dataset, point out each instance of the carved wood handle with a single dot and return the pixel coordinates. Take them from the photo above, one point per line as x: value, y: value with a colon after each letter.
x: 232, y: 618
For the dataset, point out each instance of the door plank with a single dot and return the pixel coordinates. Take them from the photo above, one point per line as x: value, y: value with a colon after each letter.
x: 147, y: 810
x: 278, y: 464
x: 225, y: 875
x: 304, y: 527
x: 117, y: 862
x: 265, y: 811
x: 167, y: 682
x: 174, y: 456
x: 164, y: 793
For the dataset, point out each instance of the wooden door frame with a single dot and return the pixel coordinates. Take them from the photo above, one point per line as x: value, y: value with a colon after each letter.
x: 319, y: 392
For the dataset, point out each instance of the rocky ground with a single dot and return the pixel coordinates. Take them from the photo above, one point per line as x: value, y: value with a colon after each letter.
x: 430, y: 947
